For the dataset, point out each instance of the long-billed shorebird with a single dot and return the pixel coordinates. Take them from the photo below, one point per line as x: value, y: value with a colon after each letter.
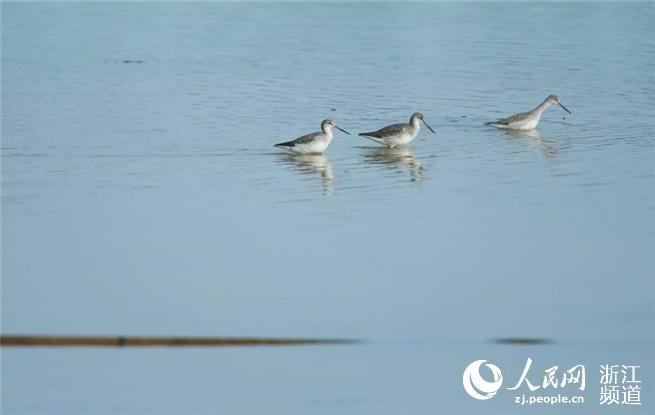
x: 398, y: 134
x: 527, y: 120
x: 314, y: 143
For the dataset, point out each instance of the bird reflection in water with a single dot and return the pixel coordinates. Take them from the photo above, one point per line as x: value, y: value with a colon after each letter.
x: 535, y: 138
x: 312, y: 164
x: 402, y: 158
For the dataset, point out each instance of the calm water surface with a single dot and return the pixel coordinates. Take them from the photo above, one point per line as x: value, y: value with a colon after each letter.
x: 141, y: 195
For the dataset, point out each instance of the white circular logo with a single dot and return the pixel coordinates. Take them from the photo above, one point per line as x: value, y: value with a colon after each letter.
x: 478, y: 387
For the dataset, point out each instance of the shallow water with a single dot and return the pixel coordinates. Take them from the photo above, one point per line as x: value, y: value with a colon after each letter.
x: 141, y: 195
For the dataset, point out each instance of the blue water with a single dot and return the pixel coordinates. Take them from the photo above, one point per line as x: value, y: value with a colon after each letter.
x: 141, y: 195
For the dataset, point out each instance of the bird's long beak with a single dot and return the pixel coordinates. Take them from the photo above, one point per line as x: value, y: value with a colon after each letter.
x: 565, y: 109
x: 342, y: 130
x: 429, y: 128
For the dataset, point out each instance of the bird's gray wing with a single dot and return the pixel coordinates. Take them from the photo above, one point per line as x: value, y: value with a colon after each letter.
x: 300, y: 140
x: 387, y: 131
x: 509, y: 120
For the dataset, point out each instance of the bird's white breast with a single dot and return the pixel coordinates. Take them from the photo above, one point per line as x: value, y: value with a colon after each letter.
x: 526, y: 124
x: 316, y: 146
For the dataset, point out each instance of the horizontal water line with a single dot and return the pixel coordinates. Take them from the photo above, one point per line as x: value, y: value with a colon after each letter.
x: 143, y: 341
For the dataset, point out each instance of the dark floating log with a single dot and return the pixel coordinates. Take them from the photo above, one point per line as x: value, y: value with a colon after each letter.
x: 522, y: 341
x: 135, y: 61
x: 120, y: 341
